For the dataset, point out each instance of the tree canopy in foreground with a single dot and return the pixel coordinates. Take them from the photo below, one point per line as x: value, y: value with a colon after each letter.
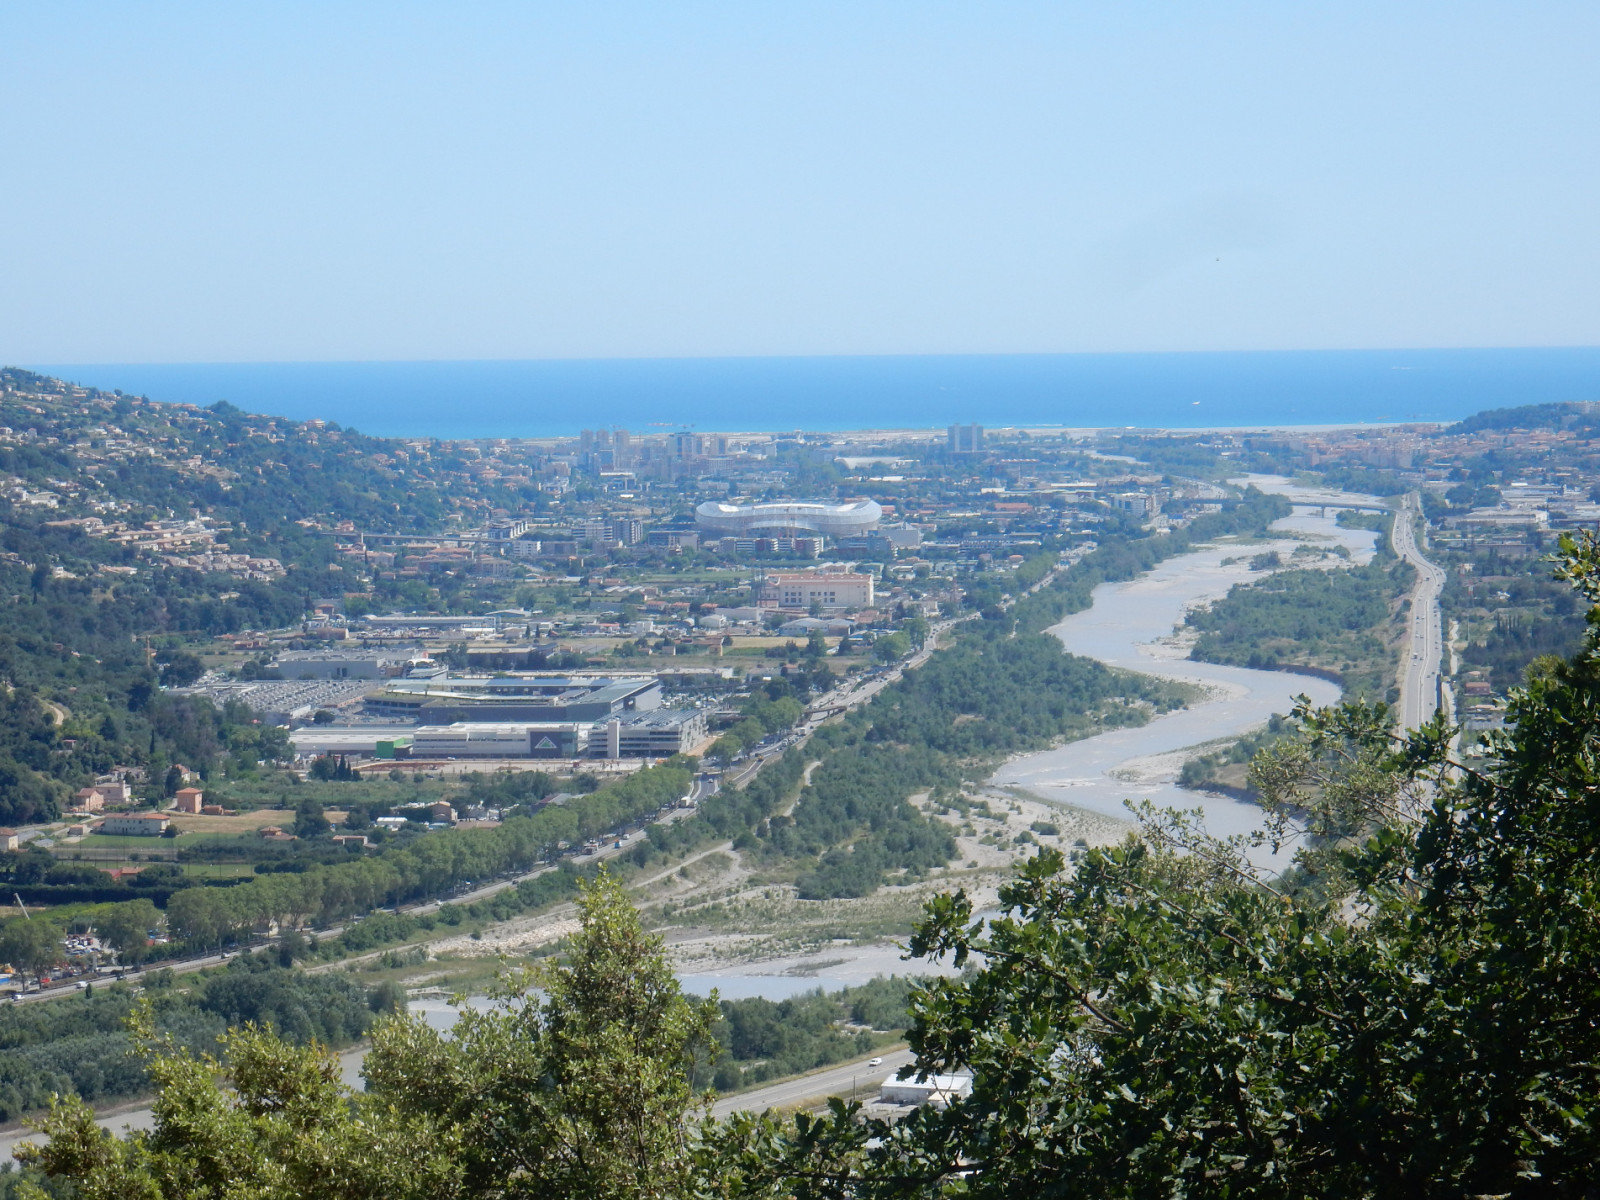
x: 1410, y: 1011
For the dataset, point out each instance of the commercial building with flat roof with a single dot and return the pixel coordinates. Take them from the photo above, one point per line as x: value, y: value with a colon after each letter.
x: 481, y: 739
x: 937, y: 1090
x: 658, y: 734
x: 523, y: 697
x: 433, y: 623
x: 363, y: 741
x: 827, y: 590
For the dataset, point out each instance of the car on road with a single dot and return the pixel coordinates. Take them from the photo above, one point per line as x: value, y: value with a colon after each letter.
x: 874, y: 1062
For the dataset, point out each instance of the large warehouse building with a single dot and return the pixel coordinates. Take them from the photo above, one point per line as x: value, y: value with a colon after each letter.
x: 526, y: 697
x: 788, y: 518
x: 481, y: 739
x: 659, y: 733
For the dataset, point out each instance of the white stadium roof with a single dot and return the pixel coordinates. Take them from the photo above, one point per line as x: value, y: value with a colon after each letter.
x: 788, y: 517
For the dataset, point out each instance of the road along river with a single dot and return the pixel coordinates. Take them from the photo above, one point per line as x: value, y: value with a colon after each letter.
x: 1130, y: 625
x: 1136, y: 626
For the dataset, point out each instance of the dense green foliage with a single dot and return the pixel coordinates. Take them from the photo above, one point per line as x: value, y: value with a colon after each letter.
x: 424, y: 868
x: 1527, y: 416
x: 1517, y: 640
x: 1512, y: 612
x: 1334, y: 620
x: 78, y: 1045
x: 766, y: 1039
x: 1350, y: 518
x: 1204, y: 770
x: 1164, y: 1019
x: 986, y: 697
x: 857, y: 816
x: 583, y: 1090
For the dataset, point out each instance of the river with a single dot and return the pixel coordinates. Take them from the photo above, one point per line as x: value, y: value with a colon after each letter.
x: 1129, y: 625
x: 1134, y: 625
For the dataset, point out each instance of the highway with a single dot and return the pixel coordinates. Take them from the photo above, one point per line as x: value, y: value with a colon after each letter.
x: 816, y: 1087
x: 1424, y: 650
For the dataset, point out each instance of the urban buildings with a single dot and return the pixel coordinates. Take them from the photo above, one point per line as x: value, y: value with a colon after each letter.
x: 965, y: 439
x: 659, y: 733
x: 827, y: 590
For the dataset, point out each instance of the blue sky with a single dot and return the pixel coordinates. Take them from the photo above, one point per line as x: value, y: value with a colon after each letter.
x: 230, y: 182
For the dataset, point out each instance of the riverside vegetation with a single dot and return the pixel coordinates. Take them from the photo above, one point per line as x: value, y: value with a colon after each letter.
x: 1000, y: 688
x: 1407, y: 1012
x: 1334, y: 621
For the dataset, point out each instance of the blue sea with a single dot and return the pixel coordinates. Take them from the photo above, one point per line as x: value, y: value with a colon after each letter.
x: 1173, y: 391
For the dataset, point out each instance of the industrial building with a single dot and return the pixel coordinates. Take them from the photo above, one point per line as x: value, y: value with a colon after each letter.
x: 362, y: 741
x: 437, y: 624
x: 937, y: 1090
x: 790, y: 518
x: 659, y: 733
x: 480, y: 739
x: 827, y: 626
x: 524, y: 697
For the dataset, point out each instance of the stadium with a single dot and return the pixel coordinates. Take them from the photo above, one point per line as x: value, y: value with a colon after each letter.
x: 796, y: 518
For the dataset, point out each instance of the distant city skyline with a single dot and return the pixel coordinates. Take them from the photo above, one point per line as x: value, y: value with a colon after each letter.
x: 365, y: 182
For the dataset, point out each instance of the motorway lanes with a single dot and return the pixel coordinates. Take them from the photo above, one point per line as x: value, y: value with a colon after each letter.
x: 1419, y: 681
x: 816, y: 1087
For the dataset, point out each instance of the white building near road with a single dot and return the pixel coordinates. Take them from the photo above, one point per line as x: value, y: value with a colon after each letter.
x: 937, y: 1090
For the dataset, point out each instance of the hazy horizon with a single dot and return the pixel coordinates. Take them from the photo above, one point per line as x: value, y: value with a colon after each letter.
x: 511, y: 182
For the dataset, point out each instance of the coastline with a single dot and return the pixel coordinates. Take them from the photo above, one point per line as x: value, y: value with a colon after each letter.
x: 1185, y: 390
